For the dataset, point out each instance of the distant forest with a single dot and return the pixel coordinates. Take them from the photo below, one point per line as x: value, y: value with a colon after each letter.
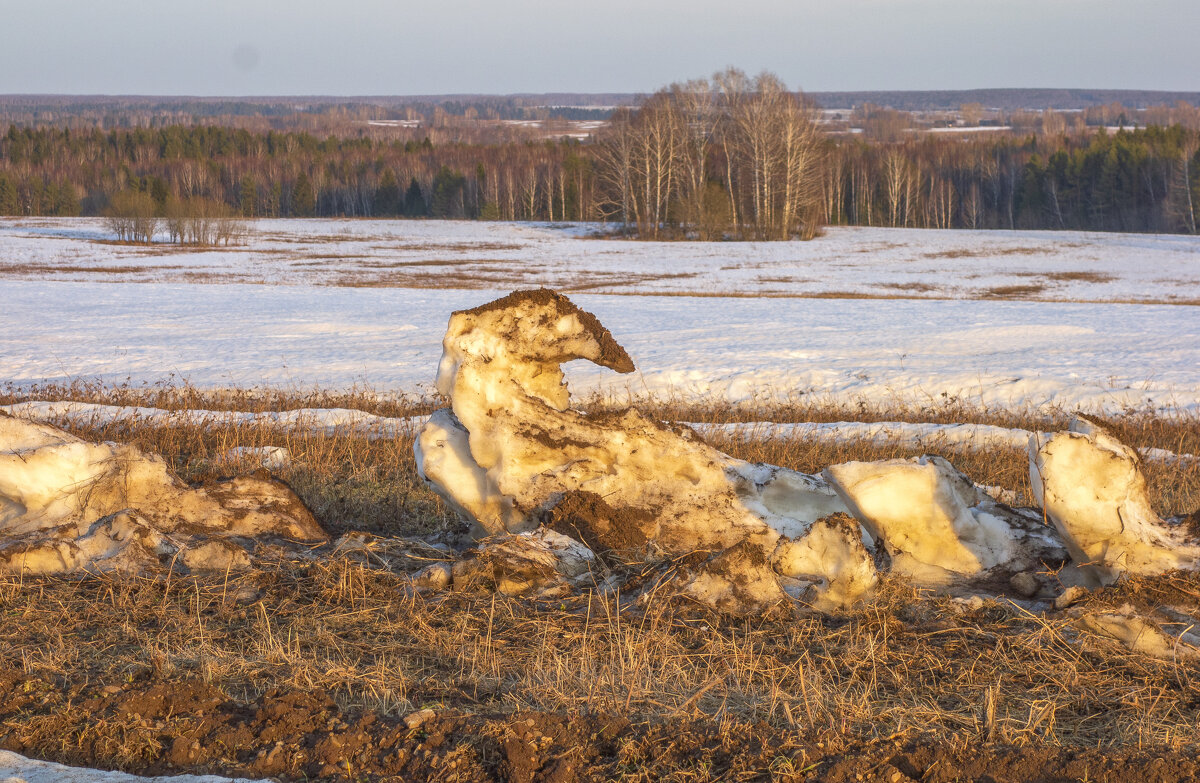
x: 1056, y: 177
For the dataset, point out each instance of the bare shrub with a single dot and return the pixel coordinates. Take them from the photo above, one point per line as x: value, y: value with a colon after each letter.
x: 202, y: 221
x: 130, y: 215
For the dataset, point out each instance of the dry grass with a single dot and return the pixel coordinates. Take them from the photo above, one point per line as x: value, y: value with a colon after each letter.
x: 907, y: 663
x: 1071, y: 277
x: 348, y: 623
x: 353, y: 481
x: 988, y: 252
x: 1018, y: 291
x: 912, y: 287
x: 39, y: 269
x: 454, y: 247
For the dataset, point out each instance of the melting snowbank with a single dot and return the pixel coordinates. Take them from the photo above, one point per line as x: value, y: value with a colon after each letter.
x: 512, y: 456
x: 70, y: 505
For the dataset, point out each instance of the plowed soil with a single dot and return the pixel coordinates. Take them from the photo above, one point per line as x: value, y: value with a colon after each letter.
x: 167, y: 727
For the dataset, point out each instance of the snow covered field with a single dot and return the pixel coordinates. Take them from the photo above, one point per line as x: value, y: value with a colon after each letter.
x: 337, y: 304
x: 1040, y: 265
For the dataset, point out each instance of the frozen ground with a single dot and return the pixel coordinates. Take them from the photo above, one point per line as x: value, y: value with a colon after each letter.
x: 328, y: 306
x: 1049, y: 266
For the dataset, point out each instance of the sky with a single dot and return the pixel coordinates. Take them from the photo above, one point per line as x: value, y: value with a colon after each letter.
x: 402, y: 47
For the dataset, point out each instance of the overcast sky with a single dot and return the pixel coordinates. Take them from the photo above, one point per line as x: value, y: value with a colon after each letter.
x: 401, y: 47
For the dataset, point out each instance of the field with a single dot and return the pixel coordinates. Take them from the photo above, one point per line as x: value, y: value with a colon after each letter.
x: 308, y: 666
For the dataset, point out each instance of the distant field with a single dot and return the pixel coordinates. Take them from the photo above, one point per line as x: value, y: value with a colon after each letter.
x: 846, y: 262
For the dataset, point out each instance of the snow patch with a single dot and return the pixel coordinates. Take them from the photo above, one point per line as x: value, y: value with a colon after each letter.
x: 15, y: 768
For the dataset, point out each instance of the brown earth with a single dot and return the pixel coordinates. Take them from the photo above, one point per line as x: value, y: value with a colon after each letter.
x: 586, y: 517
x: 168, y: 727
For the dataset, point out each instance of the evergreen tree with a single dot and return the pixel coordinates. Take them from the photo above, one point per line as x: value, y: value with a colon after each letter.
x: 304, y: 200
x: 447, y: 199
x: 414, y: 200
x: 387, y: 196
x: 248, y: 197
x: 275, y: 200
x: 160, y: 191
x: 66, y: 200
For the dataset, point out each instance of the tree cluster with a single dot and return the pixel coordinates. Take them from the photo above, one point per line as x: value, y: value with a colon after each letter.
x: 293, y: 174
x: 732, y: 157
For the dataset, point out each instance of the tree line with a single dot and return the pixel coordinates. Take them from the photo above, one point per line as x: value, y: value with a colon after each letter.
x: 731, y: 157
x: 1141, y: 180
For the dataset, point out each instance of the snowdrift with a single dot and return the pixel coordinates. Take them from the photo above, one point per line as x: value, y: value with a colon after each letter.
x: 68, y: 505
x: 556, y: 493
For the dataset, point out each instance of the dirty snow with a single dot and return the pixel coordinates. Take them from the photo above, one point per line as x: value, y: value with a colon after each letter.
x: 511, y: 455
x: 15, y: 768
x: 70, y: 505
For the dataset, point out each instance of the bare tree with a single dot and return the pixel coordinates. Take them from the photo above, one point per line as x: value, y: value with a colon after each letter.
x: 130, y: 215
x: 1182, y: 203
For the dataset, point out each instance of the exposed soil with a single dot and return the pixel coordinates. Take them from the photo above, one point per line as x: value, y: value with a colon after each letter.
x: 586, y: 517
x: 187, y: 726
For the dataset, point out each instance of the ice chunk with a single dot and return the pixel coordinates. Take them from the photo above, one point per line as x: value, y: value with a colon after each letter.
x: 67, y: 504
x: 1140, y: 633
x: 829, y: 560
x: 1092, y: 488
x: 738, y: 580
x: 540, y: 562
x: 935, y: 523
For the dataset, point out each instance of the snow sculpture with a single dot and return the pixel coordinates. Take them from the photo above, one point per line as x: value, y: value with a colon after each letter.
x: 936, y: 524
x: 67, y: 504
x: 511, y: 455
x: 1092, y: 488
